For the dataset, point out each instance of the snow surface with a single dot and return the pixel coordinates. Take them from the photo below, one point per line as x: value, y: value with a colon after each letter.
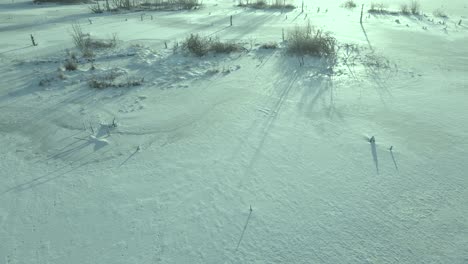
x: 241, y: 158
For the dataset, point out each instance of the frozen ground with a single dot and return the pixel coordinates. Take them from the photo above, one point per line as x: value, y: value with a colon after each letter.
x: 203, y: 140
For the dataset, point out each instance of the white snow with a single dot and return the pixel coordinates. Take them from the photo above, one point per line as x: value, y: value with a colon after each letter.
x: 203, y: 140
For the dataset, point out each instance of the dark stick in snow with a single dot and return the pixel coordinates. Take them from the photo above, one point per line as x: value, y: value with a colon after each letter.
x: 33, y: 41
x: 362, y: 13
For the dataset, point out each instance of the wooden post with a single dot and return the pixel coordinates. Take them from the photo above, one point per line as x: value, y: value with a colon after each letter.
x: 231, y: 21
x: 459, y: 22
x: 33, y: 41
x: 165, y: 44
x: 282, y: 33
x: 362, y: 13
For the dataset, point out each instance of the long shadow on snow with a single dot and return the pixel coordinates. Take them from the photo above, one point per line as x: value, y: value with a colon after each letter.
x: 374, y: 156
x: 288, y: 76
x: 48, y: 177
x: 250, y: 24
x: 318, y: 86
x: 62, y: 19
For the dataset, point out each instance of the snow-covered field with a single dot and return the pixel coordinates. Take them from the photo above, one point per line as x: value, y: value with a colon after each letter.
x: 240, y: 158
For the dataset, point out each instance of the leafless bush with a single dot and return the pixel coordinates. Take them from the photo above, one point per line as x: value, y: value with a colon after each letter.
x: 270, y: 45
x: 87, y: 45
x: 156, y: 4
x: 79, y: 39
x: 412, y: 8
x: 440, y: 13
x: 60, y: 1
x: 71, y: 63
x: 311, y: 41
x: 218, y: 46
x: 405, y: 9
x: 415, y: 7
x: 96, y: 8
x: 263, y: 4
x: 200, y: 46
x: 110, y: 80
x: 377, y: 8
x: 349, y: 4
x: 196, y: 44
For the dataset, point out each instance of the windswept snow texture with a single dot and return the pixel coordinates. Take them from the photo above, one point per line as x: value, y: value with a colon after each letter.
x: 240, y: 158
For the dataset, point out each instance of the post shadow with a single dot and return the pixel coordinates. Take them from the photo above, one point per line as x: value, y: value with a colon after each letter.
x: 245, y: 227
x: 394, y: 161
x: 374, y: 156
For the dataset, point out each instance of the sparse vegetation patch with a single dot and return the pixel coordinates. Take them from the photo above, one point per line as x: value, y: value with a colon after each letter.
x: 377, y: 8
x: 88, y: 45
x: 270, y: 45
x: 115, y: 79
x: 162, y: 5
x: 440, y: 13
x: 265, y: 4
x: 350, y: 4
x: 61, y: 1
x: 200, y: 46
x: 311, y: 41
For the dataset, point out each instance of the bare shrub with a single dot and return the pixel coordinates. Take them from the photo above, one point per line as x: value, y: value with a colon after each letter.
x: 70, y: 65
x: 263, y: 4
x: 415, y: 7
x: 200, y: 46
x: 218, y: 46
x: 60, y: 1
x: 123, y: 4
x: 87, y: 45
x: 377, y: 8
x: 96, y: 8
x: 349, y: 4
x: 440, y: 13
x: 103, y: 43
x: 405, y: 9
x: 79, y: 39
x: 311, y: 41
x: 197, y: 45
x: 157, y: 4
x: 112, y: 80
x: 270, y: 45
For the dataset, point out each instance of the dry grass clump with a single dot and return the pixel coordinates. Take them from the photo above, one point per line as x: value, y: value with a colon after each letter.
x: 88, y: 45
x: 270, y: 45
x: 377, y: 8
x: 61, y: 1
x: 413, y: 8
x: 440, y: 13
x: 350, y: 4
x: 263, y: 4
x: 71, y: 63
x: 166, y: 5
x: 112, y: 80
x: 311, y: 41
x: 200, y: 46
